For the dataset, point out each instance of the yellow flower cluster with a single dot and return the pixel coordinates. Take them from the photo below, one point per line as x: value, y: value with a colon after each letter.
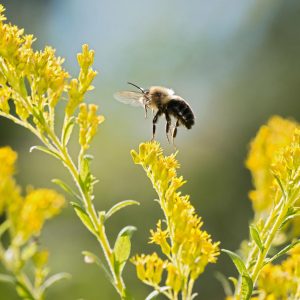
x: 88, y: 123
x: 33, y: 81
x: 264, y: 149
x: 149, y: 268
x: 281, y: 281
x: 78, y: 87
x: 38, y: 206
x: 8, y: 188
x: 42, y: 69
x: 28, y: 214
x: 187, y: 247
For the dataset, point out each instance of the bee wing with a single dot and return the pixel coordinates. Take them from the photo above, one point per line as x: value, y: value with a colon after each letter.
x: 132, y: 98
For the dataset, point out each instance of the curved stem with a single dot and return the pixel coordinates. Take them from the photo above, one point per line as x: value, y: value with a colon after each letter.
x: 91, y: 211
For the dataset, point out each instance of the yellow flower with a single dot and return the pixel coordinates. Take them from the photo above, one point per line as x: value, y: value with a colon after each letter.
x: 8, y: 158
x: 270, y: 139
x: 88, y: 121
x: 149, y: 268
x: 174, y: 279
x: 186, y: 245
x: 38, y: 206
x: 78, y: 87
x: 159, y: 237
x: 8, y: 188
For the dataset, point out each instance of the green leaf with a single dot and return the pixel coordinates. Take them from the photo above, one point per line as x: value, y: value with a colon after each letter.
x: 45, y: 150
x: 233, y: 280
x: 283, y: 251
x: 66, y: 188
x: 256, y: 237
x: 7, y: 279
x: 86, y: 179
x: 68, y: 131
x: 194, y: 296
x: 224, y: 282
x: 4, y: 226
x: 280, y: 185
x: 247, y: 287
x: 84, y: 217
x: 23, y: 291
x: 119, y: 206
x: 293, y: 212
x: 240, y: 266
x: 91, y: 258
x: 55, y: 278
x: 155, y: 293
x: 122, y: 248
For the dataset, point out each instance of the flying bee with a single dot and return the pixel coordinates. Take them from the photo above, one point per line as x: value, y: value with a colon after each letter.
x: 162, y: 101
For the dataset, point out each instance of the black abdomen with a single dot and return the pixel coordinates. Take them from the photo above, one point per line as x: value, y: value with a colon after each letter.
x: 181, y: 110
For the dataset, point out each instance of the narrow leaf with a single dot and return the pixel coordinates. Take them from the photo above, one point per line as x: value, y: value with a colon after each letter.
x: 55, y: 278
x: 83, y: 216
x: 240, y: 266
x: 152, y: 295
x: 256, y: 237
x: 45, y: 150
x: 292, y: 213
x: 122, y: 248
x: 68, y: 131
x: 24, y: 291
x: 119, y: 206
x: 194, y: 296
x: 247, y: 287
x: 280, y: 185
x: 155, y: 293
x: 7, y: 279
x: 4, y: 226
x: 233, y: 280
x: 90, y: 257
x: 283, y: 251
x: 66, y: 188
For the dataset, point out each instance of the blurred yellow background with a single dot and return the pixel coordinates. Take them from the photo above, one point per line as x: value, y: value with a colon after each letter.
x: 236, y: 63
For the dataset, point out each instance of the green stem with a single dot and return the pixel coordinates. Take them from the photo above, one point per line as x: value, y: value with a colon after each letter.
x: 273, y: 224
x: 263, y: 254
x: 101, y: 235
x: 190, y: 289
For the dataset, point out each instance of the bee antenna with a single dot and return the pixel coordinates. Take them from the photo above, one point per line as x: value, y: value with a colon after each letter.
x: 141, y: 89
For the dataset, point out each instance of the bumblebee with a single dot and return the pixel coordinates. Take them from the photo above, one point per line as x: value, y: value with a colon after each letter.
x: 162, y: 101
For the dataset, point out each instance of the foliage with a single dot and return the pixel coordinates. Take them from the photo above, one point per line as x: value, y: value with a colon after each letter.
x: 25, y: 218
x: 275, y: 166
x: 32, y: 83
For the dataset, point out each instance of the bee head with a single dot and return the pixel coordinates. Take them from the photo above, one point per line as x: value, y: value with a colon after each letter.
x: 160, y: 94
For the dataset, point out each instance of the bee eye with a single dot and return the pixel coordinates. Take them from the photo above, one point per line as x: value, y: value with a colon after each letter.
x: 158, y: 94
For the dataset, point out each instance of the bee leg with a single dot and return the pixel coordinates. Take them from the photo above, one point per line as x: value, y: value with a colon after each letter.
x: 145, y: 108
x: 154, y: 121
x: 174, y: 133
x: 168, y: 124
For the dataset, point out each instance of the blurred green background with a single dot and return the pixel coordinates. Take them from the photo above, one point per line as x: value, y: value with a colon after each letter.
x: 236, y: 62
